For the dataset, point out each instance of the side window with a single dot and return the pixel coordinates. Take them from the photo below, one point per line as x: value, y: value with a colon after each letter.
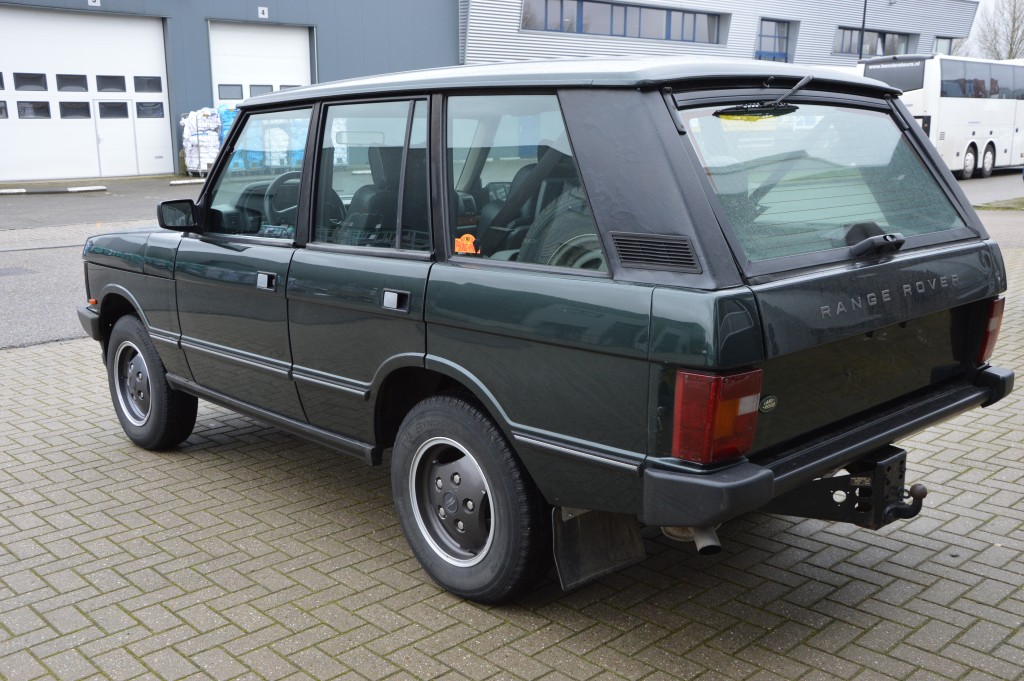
x: 515, y: 192
x: 257, y: 194
x: 372, y: 188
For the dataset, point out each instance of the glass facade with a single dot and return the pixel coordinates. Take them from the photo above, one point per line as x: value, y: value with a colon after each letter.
x: 617, y: 19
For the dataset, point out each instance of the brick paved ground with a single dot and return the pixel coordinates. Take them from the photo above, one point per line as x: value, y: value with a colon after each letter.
x: 251, y: 554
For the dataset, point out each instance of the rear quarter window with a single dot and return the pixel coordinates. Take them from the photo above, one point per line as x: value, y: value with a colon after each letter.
x: 815, y: 179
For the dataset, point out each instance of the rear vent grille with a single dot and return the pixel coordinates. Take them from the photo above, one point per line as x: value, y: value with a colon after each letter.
x: 656, y: 252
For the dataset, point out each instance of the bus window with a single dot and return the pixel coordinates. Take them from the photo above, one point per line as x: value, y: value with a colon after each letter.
x: 978, y: 76
x: 953, y: 79
x: 1002, y: 81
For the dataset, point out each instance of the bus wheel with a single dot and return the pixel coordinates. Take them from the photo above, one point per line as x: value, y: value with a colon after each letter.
x: 988, y: 161
x: 970, y: 163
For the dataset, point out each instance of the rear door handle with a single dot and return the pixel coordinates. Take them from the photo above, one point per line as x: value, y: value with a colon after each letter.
x: 266, y: 281
x: 395, y: 300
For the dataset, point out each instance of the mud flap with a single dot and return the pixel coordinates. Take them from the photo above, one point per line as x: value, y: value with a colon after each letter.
x: 589, y: 544
x: 872, y: 495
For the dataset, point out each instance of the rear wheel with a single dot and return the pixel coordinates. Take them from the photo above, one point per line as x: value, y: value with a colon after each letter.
x: 472, y: 515
x: 988, y: 161
x: 970, y: 163
x: 152, y: 414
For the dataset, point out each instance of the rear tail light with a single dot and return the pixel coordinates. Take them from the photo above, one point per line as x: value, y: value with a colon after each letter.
x: 715, y: 415
x: 995, y: 320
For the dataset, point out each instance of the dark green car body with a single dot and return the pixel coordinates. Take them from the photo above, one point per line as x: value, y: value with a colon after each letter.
x: 577, y: 365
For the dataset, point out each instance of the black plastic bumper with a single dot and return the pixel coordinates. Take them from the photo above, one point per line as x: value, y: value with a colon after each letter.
x: 90, y: 320
x: 673, y: 496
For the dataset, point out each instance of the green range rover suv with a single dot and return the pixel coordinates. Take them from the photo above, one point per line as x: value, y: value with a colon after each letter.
x: 569, y: 300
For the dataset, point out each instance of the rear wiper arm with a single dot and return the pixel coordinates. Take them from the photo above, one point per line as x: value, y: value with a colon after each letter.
x: 766, y: 109
x: 878, y: 245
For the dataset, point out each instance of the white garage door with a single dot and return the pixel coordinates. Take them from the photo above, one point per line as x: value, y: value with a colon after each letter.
x: 243, y: 65
x: 82, y: 95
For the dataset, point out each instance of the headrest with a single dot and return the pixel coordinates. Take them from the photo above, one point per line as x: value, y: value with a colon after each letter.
x: 385, y: 166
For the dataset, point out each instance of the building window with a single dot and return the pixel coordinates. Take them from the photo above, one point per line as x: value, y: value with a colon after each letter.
x: 148, y: 84
x: 75, y: 110
x: 30, y: 82
x: 630, y: 21
x: 110, y: 84
x: 943, y: 45
x: 1, y: 81
x: 255, y: 90
x: 876, y: 43
x: 113, y: 109
x: 289, y: 87
x: 773, y: 41
x: 66, y: 83
x: 3, y: 109
x: 149, y: 110
x: 229, y: 91
x: 33, y: 109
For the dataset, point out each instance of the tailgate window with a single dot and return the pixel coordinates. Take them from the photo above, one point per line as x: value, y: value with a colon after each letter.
x: 817, y: 178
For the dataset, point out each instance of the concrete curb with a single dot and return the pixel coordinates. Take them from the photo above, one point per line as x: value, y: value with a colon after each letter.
x: 175, y: 183
x: 65, y: 190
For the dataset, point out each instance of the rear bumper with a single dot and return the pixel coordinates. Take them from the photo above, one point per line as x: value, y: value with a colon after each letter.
x: 674, y: 496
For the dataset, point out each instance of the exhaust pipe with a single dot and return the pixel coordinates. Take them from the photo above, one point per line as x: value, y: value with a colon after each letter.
x: 705, y: 538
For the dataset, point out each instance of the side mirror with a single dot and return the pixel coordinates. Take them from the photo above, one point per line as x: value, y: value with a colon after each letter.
x: 179, y: 215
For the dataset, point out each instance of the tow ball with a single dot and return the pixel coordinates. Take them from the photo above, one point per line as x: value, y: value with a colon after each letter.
x: 870, y: 494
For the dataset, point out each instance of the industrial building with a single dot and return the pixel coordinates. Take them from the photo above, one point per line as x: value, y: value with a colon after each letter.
x: 95, y: 88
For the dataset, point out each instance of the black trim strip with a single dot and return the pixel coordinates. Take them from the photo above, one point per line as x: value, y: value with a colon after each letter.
x: 587, y: 457
x: 369, y: 453
x: 275, y: 367
x: 305, y: 375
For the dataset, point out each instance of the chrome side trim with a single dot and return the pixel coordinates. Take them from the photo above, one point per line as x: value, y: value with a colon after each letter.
x: 578, y: 454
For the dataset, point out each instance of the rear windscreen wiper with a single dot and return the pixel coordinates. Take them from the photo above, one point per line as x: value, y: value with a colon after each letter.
x: 764, y: 109
x: 878, y: 245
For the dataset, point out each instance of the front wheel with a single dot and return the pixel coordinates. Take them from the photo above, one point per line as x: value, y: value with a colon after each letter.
x: 472, y: 515
x: 970, y: 163
x: 152, y: 414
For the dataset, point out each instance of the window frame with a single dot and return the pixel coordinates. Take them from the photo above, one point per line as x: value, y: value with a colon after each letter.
x: 444, y: 244
x: 223, y: 165
x: 316, y: 188
x: 777, y: 39
x: 760, y: 271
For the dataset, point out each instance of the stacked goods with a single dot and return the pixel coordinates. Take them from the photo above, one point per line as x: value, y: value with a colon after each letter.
x: 201, y: 139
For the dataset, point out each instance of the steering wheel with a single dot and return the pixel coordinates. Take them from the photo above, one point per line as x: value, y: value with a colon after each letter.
x: 581, y: 252
x: 275, y: 215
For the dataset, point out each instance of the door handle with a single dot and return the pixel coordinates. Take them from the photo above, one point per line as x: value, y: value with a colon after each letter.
x: 266, y: 281
x: 396, y: 300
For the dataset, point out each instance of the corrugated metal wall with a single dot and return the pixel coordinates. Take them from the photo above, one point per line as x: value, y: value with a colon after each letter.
x: 493, y: 29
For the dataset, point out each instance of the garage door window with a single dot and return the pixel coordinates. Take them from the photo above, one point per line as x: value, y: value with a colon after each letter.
x: 148, y: 84
x: 75, y: 110
x: 113, y: 109
x: 229, y: 91
x: 255, y: 90
x: 30, y: 110
x: 3, y: 109
x: 30, y: 82
x: 110, y: 84
x: 149, y: 110
x: 69, y: 83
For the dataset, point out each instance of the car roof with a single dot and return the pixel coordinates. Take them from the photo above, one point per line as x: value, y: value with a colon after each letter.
x: 596, y: 72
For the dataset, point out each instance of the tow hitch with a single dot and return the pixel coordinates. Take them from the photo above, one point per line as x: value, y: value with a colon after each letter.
x: 871, y: 495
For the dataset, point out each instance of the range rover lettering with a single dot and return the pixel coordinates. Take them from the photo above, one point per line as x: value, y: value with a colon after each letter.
x: 566, y: 301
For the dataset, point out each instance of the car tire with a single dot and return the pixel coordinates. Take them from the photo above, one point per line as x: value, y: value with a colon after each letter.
x: 469, y: 510
x: 152, y: 414
x: 970, y: 163
x: 988, y: 161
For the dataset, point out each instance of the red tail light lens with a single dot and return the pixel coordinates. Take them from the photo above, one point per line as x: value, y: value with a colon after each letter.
x: 995, y: 321
x: 715, y: 416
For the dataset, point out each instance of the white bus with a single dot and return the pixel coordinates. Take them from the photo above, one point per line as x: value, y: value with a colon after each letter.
x: 971, y: 109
